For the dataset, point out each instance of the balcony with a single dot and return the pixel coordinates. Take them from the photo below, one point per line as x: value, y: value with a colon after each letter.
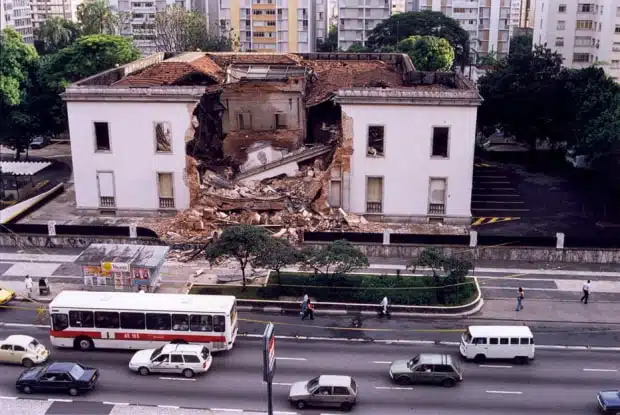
x: 436, y: 209
x: 166, y: 203
x: 374, y: 207
x: 107, y: 201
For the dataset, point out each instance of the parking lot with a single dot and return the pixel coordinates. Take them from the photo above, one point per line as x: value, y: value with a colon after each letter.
x: 508, y: 199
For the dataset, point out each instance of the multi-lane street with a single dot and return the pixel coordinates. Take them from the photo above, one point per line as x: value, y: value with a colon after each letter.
x: 557, y: 382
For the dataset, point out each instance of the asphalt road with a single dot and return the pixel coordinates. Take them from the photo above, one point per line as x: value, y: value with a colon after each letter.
x: 372, y: 328
x: 235, y: 380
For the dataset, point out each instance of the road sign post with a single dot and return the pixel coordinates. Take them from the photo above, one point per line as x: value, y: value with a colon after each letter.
x: 269, y: 362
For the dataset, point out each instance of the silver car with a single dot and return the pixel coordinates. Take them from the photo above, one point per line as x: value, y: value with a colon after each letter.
x: 326, y: 391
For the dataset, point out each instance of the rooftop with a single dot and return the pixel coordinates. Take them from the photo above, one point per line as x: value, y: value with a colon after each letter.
x: 148, y: 256
x: 23, y: 168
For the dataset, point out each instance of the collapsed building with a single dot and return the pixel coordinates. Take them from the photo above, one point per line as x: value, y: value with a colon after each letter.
x: 262, y: 139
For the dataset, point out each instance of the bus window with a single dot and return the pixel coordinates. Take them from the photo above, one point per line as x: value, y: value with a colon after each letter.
x: 158, y: 321
x: 219, y: 324
x: 525, y: 341
x: 133, y: 321
x: 493, y: 340
x: 514, y: 340
x: 60, y: 322
x: 106, y: 320
x: 480, y: 340
x: 200, y: 323
x: 180, y: 322
x: 503, y: 340
x: 81, y: 319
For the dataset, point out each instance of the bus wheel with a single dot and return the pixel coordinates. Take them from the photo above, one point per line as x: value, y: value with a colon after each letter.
x: 522, y: 360
x: 83, y: 343
x: 480, y: 358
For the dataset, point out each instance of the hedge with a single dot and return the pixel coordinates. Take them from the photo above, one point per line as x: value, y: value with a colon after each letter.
x: 369, y: 289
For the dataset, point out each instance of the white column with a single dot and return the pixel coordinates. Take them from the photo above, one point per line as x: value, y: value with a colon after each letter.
x: 473, y: 239
x: 51, y: 228
x: 559, y: 243
x: 133, y: 230
x: 386, y: 236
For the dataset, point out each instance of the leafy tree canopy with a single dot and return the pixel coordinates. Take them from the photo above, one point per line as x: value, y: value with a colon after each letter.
x: 276, y: 254
x: 358, y: 48
x: 17, y: 58
x: 340, y: 257
x: 331, y: 43
x: 96, y: 17
x: 56, y: 34
x: 521, y: 44
x: 428, y: 53
x: 426, y: 23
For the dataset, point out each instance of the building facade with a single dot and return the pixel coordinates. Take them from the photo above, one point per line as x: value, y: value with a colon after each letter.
x: 400, y: 173
x: 272, y: 25
x: 356, y: 20
x: 18, y: 15
x: 583, y: 32
x: 43, y: 10
x: 490, y: 23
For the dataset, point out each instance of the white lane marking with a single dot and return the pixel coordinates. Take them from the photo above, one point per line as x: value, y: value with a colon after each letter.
x: 12, y: 398
x: 117, y: 403
x: 381, y: 362
x: 506, y: 392
x: 191, y: 380
x: 497, y: 366
x: 281, y: 384
x: 284, y: 413
x: 226, y: 410
x: 168, y: 406
x: 59, y: 400
x: 291, y: 358
x: 599, y: 370
x: 394, y: 388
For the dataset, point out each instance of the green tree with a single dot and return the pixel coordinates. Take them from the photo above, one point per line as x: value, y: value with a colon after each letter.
x: 241, y: 242
x: 427, y: 23
x: 330, y: 44
x: 428, y: 53
x: 358, y: 48
x: 276, y: 254
x: 521, y: 44
x: 340, y: 257
x: 520, y: 95
x: 55, y: 34
x: 95, y: 17
x: 180, y: 30
x: 490, y: 59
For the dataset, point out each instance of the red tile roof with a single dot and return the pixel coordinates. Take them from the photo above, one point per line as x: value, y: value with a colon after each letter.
x: 170, y: 73
x: 251, y: 58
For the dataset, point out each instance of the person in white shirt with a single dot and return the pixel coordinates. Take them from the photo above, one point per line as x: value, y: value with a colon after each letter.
x: 384, y: 307
x: 586, y: 292
x: 28, y: 284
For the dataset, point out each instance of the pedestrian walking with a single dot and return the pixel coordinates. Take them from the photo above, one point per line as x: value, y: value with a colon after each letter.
x: 586, y: 292
x: 308, y: 311
x: 520, y: 297
x: 384, y: 311
x: 28, y: 285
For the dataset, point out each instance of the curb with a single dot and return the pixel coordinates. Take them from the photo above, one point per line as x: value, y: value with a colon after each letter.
x: 32, y: 299
x: 172, y: 407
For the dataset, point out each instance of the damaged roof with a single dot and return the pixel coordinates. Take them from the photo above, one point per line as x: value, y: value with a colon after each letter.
x: 174, y: 71
x: 224, y: 59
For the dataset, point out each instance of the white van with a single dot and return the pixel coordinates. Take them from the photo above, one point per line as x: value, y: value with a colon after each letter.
x: 498, y: 342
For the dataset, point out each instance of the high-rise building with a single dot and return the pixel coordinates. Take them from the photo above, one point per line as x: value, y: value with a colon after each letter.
x: 18, y: 15
x: 356, y: 19
x: 399, y: 6
x: 43, y: 10
x: 584, y: 32
x: 490, y: 23
x: 272, y: 25
x: 526, y: 18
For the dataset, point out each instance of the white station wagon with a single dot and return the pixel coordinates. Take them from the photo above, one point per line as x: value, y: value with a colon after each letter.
x: 185, y: 359
x: 23, y: 350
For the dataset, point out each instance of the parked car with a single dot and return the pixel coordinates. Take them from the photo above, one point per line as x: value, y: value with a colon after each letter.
x: 67, y: 377
x: 185, y: 359
x: 609, y: 401
x: 39, y: 142
x: 325, y: 391
x: 6, y: 295
x: 429, y: 368
x: 23, y: 350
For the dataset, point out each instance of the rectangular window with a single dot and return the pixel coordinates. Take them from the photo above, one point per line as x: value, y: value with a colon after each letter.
x: 176, y: 358
x: 503, y: 341
x: 335, y: 193
x: 524, y: 341
x: 437, y: 197
x: 219, y: 324
x: 163, y: 137
x: 200, y: 323
x: 585, y: 8
x: 159, y: 321
x: 102, y: 136
x: 440, y: 141
x: 584, y: 25
x: 180, y: 322
x: 106, y: 320
x: 191, y: 358
x: 581, y: 57
x: 561, y: 25
x: 244, y: 120
x: 493, y: 340
x: 165, y: 190
x: 281, y: 121
x: 583, y: 41
x: 341, y: 390
x: 617, y: 29
x: 374, y: 194
x: 559, y: 41
x: 562, y: 8
x: 514, y: 341
x: 375, y: 146
x: 81, y: 319
x: 617, y: 11
x: 133, y: 321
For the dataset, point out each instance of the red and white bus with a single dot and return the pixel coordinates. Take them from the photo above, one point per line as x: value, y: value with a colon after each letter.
x: 86, y: 320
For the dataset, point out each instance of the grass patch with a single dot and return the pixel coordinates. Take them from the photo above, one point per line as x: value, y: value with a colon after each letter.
x: 370, y: 289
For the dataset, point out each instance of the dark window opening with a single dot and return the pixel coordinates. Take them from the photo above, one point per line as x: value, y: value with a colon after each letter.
x: 281, y: 121
x: 102, y: 136
x: 440, y: 141
x: 81, y: 319
x: 376, y: 140
x: 158, y: 321
x: 134, y: 321
x: 107, y: 320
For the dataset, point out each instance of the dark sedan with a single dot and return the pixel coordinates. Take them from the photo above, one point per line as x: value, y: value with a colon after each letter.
x: 71, y: 378
x: 609, y: 401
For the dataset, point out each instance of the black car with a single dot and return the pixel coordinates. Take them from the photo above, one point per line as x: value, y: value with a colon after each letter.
x: 609, y: 401
x: 71, y: 378
x: 39, y: 142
